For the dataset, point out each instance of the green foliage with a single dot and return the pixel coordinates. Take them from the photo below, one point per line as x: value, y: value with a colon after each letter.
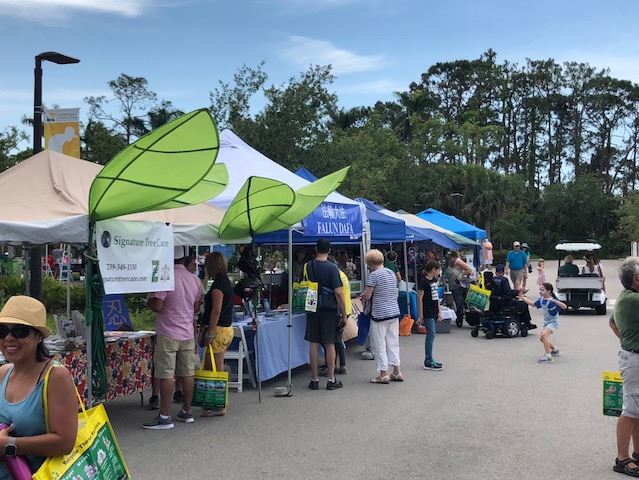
x: 576, y: 210
x: 54, y: 295
x: 99, y: 145
x: 133, y: 99
x: 10, y: 286
x: 10, y: 139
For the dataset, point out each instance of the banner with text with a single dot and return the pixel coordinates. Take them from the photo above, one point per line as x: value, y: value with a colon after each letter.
x: 334, y: 220
x: 135, y: 257
x: 62, y: 131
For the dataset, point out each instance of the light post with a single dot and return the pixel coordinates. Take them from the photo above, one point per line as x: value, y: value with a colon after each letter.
x: 458, y: 199
x: 35, y: 257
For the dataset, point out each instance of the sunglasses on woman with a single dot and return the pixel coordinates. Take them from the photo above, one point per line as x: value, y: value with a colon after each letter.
x: 17, y: 331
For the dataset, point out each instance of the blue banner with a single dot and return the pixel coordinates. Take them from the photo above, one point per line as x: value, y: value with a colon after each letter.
x: 116, y: 313
x: 334, y: 220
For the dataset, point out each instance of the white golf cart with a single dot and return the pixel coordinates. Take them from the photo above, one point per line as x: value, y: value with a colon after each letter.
x: 575, y: 289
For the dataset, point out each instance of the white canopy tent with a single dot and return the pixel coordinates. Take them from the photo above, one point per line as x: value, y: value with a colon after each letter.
x: 243, y: 161
x: 44, y: 199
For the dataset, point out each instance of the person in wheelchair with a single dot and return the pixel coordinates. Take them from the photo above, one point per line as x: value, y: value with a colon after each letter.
x: 504, y: 299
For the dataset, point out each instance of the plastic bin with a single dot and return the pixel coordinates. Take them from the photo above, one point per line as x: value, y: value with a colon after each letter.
x: 443, y: 326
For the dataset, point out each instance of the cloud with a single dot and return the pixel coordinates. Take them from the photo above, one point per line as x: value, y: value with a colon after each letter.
x: 47, y: 11
x: 303, y: 51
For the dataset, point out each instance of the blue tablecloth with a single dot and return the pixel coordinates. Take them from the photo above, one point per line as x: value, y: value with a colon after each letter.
x: 412, y: 296
x: 273, y: 345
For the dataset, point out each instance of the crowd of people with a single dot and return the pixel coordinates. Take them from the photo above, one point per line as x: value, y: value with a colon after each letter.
x: 190, y: 318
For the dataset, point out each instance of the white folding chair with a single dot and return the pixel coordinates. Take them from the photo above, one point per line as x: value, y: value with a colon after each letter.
x: 242, y: 353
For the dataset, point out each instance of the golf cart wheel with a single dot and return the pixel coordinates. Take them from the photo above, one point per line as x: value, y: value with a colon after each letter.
x: 474, y: 333
x: 601, y: 309
x: 523, y: 332
x: 490, y: 334
x: 511, y: 328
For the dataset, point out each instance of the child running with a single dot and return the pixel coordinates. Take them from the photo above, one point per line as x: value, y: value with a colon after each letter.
x: 550, y: 306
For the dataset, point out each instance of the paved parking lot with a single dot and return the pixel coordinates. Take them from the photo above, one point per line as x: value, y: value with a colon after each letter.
x: 492, y: 413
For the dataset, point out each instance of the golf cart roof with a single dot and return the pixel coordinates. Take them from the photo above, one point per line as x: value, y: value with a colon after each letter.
x: 577, y: 246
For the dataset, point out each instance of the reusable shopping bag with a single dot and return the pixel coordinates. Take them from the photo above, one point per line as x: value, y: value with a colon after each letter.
x: 96, y: 453
x: 211, y: 386
x: 612, y: 393
x: 478, y: 296
x: 363, y: 326
x: 305, y: 294
x: 405, y: 325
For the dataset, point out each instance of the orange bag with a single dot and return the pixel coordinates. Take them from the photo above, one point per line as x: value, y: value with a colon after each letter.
x: 405, y: 326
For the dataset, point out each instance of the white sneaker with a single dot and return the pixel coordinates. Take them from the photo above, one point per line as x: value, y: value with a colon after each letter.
x: 368, y: 355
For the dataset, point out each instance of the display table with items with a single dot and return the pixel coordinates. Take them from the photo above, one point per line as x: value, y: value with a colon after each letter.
x: 273, y: 343
x: 129, y: 364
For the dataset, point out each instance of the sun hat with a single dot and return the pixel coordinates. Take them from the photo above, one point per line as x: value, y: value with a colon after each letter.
x: 23, y: 310
x: 524, y: 245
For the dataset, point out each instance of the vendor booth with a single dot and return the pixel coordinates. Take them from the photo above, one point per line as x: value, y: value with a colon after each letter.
x: 56, y: 211
x: 453, y: 224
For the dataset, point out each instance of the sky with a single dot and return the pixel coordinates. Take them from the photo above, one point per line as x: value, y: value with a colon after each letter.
x: 184, y: 48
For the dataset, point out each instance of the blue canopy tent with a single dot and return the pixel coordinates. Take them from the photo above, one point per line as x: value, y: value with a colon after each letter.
x: 456, y: 225
x: 413, y: 233
x: 453, y: 224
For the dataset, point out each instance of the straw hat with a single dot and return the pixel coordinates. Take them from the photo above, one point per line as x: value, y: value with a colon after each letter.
x: 23, y: 310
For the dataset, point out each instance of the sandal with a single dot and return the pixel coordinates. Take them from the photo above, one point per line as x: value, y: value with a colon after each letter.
x: 622, y: 466
x: 384, y: 380
x: 397, y: 377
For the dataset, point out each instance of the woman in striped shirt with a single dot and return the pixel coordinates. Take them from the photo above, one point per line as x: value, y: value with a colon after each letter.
x: 381, y: 291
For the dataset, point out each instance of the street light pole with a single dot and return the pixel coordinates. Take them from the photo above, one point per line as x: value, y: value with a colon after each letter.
x: 35, y: 257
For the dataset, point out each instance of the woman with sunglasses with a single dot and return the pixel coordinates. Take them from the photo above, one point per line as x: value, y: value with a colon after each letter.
x: 22, y: 331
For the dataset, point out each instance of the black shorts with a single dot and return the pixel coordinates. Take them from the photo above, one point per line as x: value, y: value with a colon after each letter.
x: 321, y: 327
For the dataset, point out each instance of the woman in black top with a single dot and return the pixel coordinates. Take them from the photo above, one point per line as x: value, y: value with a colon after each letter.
x: 218, y: 315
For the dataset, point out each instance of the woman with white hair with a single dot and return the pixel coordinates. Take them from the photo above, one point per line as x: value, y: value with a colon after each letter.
x: 381, y: 291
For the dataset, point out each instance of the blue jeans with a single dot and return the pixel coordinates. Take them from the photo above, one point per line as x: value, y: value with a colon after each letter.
x: 430, y: 325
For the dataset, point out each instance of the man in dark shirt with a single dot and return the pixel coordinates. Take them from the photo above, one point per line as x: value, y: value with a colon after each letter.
x: 323, y: 325
x: 504, y: 296
x: 568, y: 269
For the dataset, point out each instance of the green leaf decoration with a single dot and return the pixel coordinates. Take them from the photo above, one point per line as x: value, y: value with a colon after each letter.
x: 259, y: 202
x: 309, y: 197
x: 172, y: 166
x: 265, y: 205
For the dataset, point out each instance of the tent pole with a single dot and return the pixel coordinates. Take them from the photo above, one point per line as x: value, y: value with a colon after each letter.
x: 406, y: 278
x: 415, y: 261
x: 68, y: 282
x: 290, y: 305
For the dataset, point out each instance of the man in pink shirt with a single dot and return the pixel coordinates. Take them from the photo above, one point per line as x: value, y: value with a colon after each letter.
x: 175, y: 341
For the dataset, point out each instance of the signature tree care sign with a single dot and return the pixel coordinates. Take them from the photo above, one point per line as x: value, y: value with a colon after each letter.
x: 135, y: 256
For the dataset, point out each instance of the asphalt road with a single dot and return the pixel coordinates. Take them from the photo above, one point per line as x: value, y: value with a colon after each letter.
x: 492, y: 413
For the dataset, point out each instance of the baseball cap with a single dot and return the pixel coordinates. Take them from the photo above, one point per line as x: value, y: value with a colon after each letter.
x: 516, y: 244
x: 499, y: 268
